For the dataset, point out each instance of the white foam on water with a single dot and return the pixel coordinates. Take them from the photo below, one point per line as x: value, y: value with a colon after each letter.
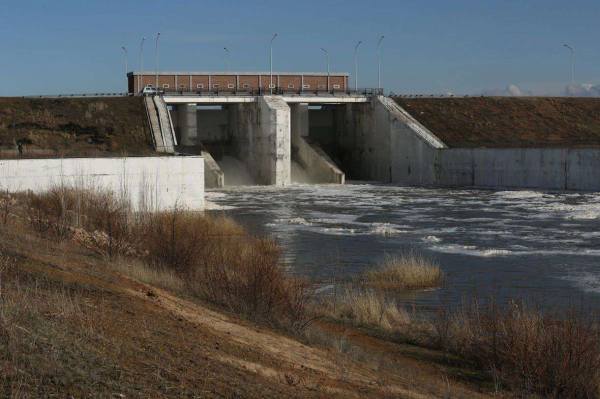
x: 520, y: 194
x: 385, y: 229
x: 211, y: 206
x: 324, y: 220
x: 585, y: 281
x: 432, y: 239
x: 337, y: 231
x: 295, y: 221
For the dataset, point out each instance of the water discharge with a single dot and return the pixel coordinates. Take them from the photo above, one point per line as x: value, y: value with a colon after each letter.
x: 543, y: 245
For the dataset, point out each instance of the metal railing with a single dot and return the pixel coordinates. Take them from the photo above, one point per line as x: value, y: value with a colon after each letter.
x: 92, y: 95
x: 261, y: 91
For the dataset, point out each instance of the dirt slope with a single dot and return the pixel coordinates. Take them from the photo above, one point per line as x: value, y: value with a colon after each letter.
x: 112, y: 336
x: 74, y: 126
x: 504, y: 122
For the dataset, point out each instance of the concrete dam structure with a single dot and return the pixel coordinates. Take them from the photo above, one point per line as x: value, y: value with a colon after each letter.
x: 333, y: 135
x: 365, y: 137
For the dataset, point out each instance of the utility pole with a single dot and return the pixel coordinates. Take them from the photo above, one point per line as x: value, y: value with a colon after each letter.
x: 126, y: 70
x: 141, y: 76
x: 271, y: 49
x: 327, y: 56
x: 572, y: 55
x: 379, y: 64
x: 156, y: 62
x: 356, y: 66
x: 228, y: 59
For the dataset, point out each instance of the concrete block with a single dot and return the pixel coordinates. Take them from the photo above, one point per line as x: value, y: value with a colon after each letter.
x: 152, y: 183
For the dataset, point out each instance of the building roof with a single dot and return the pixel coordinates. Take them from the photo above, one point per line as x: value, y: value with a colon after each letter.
x: 242, y: 73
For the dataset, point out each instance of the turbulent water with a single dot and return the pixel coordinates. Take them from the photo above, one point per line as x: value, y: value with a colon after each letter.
x: 540, y: 245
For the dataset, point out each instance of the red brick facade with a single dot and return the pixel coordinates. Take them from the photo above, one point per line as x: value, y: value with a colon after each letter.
x: 205, y: 82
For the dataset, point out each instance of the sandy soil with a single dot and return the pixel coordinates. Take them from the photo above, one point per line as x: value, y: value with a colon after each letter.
x: 504, y: 122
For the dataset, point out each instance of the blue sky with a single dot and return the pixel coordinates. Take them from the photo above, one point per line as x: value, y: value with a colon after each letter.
x: 436, y: 46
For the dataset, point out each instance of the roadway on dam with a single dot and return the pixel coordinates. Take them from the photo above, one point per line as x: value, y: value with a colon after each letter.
x: 511, y: 244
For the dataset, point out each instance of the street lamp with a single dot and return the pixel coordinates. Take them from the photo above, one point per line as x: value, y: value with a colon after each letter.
x: 126, y: 69
x: 271, y: 49
x: 356, y: 67
x: 327, y: 55
x: 571, y: 88
x: 156, y: 61
x: 228, y: 59
x: 141, y: 76
x: 379, y: 63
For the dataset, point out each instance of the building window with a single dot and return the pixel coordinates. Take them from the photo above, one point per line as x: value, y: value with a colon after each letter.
x: 230, y: 86
x: 200, y: 86
x: 165, y: 86
x: 216, y: 86
x: 246, y: 86
x: 306, y: 86
x: 336, y: 86
x: 182, y: 86
x: 320, y: 86
x: 271, y: 86
x: 290, y: 86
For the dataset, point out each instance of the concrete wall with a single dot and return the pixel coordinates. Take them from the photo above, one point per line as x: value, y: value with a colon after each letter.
x: 261, y: 138
x: 213, y: 125
x: 414, y: 156
x: 154, y: 183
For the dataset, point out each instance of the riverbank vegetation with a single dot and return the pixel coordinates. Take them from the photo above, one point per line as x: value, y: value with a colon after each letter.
x: 404, y: 272
x: 96, y: 298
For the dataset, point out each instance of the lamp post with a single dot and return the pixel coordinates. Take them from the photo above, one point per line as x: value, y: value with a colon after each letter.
x: 228, y: 59
x: 356, y: 66
x: 126, y: 69
x: 141, y: 76
x: 327, y: 56
x: 379, y: 63
x: 571, y: 88
x: 156, y: 61
x: 271, y: 50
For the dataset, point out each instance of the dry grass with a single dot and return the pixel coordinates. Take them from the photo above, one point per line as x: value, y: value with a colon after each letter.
x: 555, y: 354
x: 160, y: 277
x: 404, y: 272
x: 214, y: 257
x: 366, y: 306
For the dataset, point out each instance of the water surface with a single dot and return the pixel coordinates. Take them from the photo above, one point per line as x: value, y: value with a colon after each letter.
x: 542, y: 245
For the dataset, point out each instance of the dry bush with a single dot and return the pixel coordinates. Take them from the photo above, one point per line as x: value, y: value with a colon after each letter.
x: 113, y: 220
x: 174, y: 239
x: 51, y: 212
x: 404, y: 272
x: 554, y: 354
x: 248, y: 276
x: 366, y: 306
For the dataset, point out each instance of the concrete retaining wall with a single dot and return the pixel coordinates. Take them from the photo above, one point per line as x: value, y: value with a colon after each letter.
x: 153, y: 183
x: 417, y: 157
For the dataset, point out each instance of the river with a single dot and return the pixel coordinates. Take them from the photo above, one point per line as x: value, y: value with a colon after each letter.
x: 511, y: 244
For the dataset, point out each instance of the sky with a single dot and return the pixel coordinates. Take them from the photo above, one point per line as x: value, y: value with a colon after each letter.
x: 513, y: 47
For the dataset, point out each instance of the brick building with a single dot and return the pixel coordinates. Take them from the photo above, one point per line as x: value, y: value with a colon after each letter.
x: 239, y: 81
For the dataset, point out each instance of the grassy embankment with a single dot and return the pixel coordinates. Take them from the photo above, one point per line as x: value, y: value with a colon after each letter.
x: 68, y: 323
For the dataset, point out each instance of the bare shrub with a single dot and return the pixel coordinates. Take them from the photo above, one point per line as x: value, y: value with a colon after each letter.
x: 404, y: 272
x: 175, y: 239
x: 50, y: 212
x: 554, y: 353
x: 248, y: 276
x: 114, y: 222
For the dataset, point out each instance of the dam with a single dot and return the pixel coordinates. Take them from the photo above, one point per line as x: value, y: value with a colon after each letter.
x: 271, y: 121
